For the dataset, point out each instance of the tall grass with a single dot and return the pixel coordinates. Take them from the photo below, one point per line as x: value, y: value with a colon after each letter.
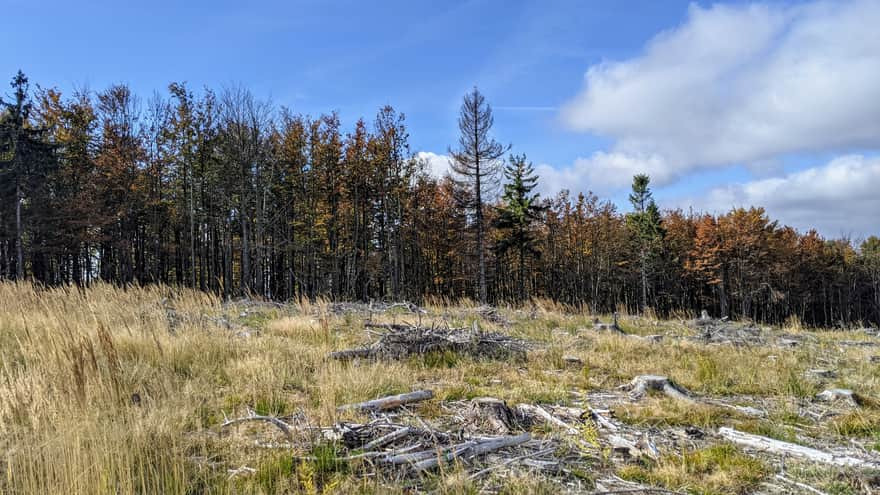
x: 122, y: 390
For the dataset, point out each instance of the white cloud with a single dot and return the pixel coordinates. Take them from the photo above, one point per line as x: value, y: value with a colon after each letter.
x: 437, y: 165
x: 838, y: 198
x: 741, y: 84
x: 600, y: 172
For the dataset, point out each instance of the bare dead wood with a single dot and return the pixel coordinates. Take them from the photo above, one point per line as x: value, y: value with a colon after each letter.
x: 640, y: 386
x: 802, y: 486
x: 601, y: 421
x: 512, y: 460
x: 858, y: 343
x: 747, y: 410
x: 412, y: 457
x: 573, y: 360
x: 609, y: 327
x: 401, y: 341
x: 540, y: 412
x: 846, y: 395
x: 472, y: 449
x: 388, y: 438
x: 491, y: 411
x: 252, y: 416
x: 395, y: 327
x: 633, y: 491
x: 390, y: 402
x: 779, y: 447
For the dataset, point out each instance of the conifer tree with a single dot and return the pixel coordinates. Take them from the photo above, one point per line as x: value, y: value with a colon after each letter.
x: 519, y: 211
x: 647, y: 226
x: 26, y: 161
x: 476, y: 163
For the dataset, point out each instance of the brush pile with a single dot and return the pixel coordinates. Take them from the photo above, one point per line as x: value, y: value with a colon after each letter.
x: 398, y: 341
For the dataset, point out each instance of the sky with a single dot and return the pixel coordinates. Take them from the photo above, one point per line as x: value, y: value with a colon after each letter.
x: 727, y: 104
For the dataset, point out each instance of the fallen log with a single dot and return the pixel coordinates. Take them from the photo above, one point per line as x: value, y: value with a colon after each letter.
x: 640, y: 386
x: 843, y: 394
x: 390, y: 402
x: 281, y: 425
x: 779, y: 447
x: 388, y: 438
x: 472, y: 449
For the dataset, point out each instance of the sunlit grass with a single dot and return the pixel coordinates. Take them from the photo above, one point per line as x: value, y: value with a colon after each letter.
x: 113, y: 390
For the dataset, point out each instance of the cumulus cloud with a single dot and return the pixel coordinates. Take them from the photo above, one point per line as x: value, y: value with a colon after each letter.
x: 838, y: 198
x: 437, y: 165
x: 601, y: 171
x: 740, y: 84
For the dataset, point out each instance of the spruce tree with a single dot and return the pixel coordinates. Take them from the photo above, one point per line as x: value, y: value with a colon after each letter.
x: 647, y: 226
x: 476, y: 164
x: 519, y: 211
x: 26, y: 159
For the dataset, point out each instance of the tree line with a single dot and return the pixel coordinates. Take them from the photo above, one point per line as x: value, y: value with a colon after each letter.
x: 227, y: 193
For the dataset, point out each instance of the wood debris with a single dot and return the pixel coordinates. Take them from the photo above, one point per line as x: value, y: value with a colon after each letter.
x: 778, y: 447
x: 400, y: 341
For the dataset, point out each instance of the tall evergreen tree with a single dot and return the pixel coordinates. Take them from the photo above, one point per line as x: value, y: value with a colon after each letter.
x: 520, y: 210
x: 26, y: 162
x: 476, y: 164
x: 646, y: 224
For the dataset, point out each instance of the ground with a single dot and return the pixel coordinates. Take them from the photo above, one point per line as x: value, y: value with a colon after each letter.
x: 127, y: 390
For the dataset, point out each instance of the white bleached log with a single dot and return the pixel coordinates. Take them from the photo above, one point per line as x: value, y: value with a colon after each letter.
x: 390, y: 402
x: 779, y: 447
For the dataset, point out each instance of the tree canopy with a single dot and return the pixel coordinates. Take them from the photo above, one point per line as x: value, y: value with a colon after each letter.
x: 227, y: 193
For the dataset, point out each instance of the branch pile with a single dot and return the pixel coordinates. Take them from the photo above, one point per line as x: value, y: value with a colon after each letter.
x: 400, y: 341
x: 724, y: 331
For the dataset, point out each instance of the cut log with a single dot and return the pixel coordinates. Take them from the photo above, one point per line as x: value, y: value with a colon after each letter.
x: 388, y: 438
x: 640, y: 386
x: 390, y: 402
x: 779, y: 447
x: 472, y: 449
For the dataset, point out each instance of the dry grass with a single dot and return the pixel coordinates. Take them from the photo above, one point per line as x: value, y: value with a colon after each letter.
x: 100, y: 392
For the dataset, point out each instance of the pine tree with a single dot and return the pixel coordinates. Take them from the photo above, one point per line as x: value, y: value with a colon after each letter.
x: 26, y: 161
x: 647, y: 226
x: 519, y: 211
x: 476, y: 162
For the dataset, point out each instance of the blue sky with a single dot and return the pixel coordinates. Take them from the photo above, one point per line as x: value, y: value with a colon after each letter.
x: 718, y: 102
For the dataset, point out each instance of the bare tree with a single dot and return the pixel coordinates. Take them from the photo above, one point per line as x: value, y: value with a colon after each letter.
x: 477, y: 164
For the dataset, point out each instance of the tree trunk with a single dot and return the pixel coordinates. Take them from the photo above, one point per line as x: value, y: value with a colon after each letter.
x: 19, y: 250
x: 480, y: 253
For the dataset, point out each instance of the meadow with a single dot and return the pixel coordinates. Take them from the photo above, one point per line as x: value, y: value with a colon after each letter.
x: 126, y: 390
